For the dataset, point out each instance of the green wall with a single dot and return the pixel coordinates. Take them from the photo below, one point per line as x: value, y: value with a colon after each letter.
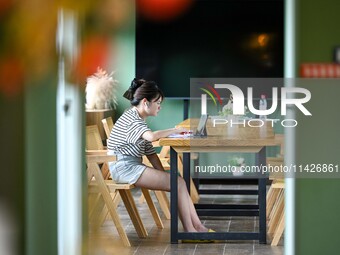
x: 125, y: 66
x: 41, y: 168
x: 318, y: 139
x: 317, y: 29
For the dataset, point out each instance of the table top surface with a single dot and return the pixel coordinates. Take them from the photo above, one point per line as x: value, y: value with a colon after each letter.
x: 225, y: 140
x: 214, y: 141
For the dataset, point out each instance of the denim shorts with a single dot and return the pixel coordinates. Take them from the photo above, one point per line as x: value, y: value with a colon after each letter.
x: 127, y: 169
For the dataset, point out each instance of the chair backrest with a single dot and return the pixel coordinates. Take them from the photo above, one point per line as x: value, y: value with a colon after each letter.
x: 108, y: 125
x: 93, y: 139
x: 94, y: 143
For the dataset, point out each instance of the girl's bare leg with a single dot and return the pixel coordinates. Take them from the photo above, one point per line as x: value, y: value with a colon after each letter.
x: 194, y: 217
x: 159, y: 180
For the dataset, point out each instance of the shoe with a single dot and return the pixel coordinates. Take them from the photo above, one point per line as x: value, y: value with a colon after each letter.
x: 213, y: 231
x: 200, y: 241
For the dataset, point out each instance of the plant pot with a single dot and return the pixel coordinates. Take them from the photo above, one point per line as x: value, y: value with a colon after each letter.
x: 236, y: 170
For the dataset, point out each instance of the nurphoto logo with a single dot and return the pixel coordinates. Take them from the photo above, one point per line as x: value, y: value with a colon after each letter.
x: 238, y: 107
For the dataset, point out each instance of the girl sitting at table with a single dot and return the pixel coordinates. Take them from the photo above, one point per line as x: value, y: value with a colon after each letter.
x: 131, y: 138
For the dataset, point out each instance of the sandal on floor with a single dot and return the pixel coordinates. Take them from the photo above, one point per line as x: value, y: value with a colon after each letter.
x: 200, y: 241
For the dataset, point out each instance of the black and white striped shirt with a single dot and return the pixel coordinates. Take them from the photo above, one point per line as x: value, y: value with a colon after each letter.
x: 126, y: 136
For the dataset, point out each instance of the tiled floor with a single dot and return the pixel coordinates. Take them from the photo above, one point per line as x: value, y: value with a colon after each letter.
x: 106, y: 240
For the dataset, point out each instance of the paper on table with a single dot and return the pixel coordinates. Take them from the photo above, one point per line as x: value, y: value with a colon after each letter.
x: 181, y: 135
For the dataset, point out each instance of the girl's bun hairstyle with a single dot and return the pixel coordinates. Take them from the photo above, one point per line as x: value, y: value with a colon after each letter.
x: 140, y: 89
x: 135, y: 84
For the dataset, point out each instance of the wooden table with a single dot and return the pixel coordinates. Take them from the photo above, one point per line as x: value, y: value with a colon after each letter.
x: 218, y: 144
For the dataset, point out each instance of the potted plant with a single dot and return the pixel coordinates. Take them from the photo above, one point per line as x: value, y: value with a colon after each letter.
x: 236, y: 163
x: 101, y: 91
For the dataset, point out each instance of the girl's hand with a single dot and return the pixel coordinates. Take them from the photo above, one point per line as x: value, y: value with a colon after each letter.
x: 182, y: 131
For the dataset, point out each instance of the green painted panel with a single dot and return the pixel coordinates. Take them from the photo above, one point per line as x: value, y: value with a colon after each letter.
x: 317, y: 200
x: 41, y: 169
x: 318, y: 29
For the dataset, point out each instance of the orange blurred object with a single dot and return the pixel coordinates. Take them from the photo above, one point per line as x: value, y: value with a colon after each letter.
x: 94, y: 53
x: 162, y: 10
x: 11, y: 76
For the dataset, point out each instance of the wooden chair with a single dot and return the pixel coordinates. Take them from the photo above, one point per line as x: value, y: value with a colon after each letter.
x: 275, y: 196
x: 110, y: 191
x: 104, y: 189
x: 160, y: 195
x: 108, y: 125
x: 276, y: 216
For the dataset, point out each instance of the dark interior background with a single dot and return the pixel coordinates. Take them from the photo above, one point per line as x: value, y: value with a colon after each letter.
x: 214, y: 38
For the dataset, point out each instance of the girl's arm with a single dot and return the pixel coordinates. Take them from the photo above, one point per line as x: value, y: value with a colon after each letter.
x: 155, y: 162
x: 154, y: 136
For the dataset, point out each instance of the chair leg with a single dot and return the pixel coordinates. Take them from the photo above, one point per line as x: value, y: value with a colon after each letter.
x: 276, y: 213
x: 276, y: 203
x: 279, y: 231
x: 162, y: 200
x: 133, y: 212
x: 271, y: 199
x: 119, y: 226
x: 103, y: 215
x: 89, y: 177
x: 106, y: 171
x: 93, y: 204
x: 268, y: 198
x: 96, y: 206
x: 94, y: 169
x: 152, y: 208
x: 163, y: 203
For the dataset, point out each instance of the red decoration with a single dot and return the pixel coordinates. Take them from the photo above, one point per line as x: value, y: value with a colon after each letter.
x: 162, y: 10
x: 320, y: 70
